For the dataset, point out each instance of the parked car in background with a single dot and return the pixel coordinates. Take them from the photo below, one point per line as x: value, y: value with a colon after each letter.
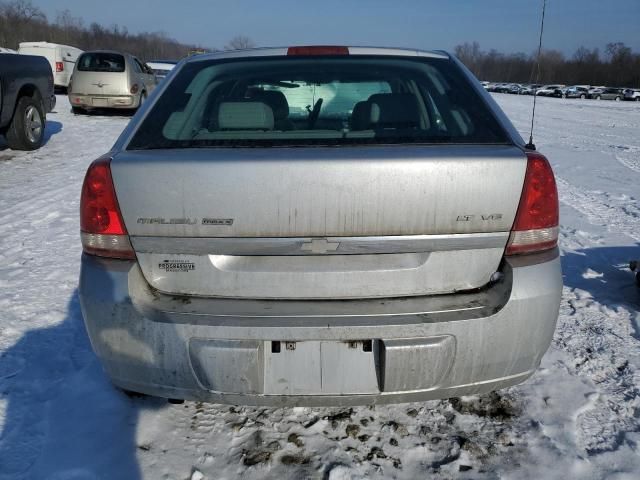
x: 530, y: 89
x: 607, y: 93
x: 494, y: 87
x: 61, y: 58
x: 514, y: 88
x: 107, y: 79
x: 577, y: 91
x: 405, y: 249
x: 550, y: 91
x: 632, y: 94
x: 161, y: 68
x: 7, y: 50
x: 26, y: 96
x: 500, y: 87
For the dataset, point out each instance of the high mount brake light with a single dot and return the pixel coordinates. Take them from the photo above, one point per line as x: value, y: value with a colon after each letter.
x: 536, y: 225
x: 318, y: 50
x: 102, y: 229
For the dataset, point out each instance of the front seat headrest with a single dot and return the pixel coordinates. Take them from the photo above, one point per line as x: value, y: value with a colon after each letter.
x: 245, y: 116
x: 394, y: 110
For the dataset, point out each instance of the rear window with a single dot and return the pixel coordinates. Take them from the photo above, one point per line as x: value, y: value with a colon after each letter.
x: 101, y: 62
x: 302, y: 101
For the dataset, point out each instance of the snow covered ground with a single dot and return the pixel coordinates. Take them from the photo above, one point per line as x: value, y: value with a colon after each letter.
x: 577, y: 417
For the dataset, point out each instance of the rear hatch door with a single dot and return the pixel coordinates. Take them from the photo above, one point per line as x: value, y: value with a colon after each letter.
x: 319, y: 222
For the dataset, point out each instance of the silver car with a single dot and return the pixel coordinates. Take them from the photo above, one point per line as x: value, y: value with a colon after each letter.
x: 106, y: 79
x: 319, y: 226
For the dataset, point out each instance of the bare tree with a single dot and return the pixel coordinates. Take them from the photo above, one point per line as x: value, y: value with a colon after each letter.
x: 20, y: 21
x: 23, y: 10
x: 620, y: 67
x: 239, y: 42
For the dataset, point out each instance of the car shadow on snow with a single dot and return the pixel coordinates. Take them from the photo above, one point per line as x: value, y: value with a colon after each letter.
x: 51, y: 128
x: 107, y: 112
x: 63, y: 418
x: 604, y: 273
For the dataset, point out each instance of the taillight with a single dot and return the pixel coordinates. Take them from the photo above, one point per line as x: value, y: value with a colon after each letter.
x: 536, y: 226
x: 101, y: 227
x: 59, y: 67
x: 134, y: 89
x: 318, y: 50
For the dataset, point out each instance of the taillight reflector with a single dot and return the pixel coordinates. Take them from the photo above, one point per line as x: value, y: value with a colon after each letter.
x: 536, y: 225
x: 59, y: 67
x: 102, y: 229
x: 134, y: 89
x: 318, y: 50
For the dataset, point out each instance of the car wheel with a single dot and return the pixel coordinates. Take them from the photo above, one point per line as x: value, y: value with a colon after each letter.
x: 637, y: 99
x: 26, y: 131
x: 617, y: 99
x: 598, y: 97
x: 583, y: 96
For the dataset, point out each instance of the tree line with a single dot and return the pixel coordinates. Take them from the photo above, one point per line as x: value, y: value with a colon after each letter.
x: 616, y: 66
x: 21, y: 21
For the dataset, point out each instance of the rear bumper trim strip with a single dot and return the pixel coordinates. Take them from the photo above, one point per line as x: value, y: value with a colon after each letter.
x: 318, y: 245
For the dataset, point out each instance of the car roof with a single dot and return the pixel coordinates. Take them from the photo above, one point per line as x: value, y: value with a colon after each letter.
x: 282, y: 51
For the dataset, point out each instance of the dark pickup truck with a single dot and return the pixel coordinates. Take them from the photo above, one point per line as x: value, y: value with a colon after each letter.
x: 26, y: 96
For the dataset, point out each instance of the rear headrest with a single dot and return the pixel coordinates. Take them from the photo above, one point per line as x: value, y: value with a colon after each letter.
x: 245, y: 116
x: 276, y: 100
x: 361, y: 116
x: 394, y: 110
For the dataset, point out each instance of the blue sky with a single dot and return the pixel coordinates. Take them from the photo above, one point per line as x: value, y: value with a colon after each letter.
x: 506, y: 25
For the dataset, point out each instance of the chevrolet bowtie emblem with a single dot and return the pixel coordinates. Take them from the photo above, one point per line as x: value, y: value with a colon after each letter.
x: 319, y: 245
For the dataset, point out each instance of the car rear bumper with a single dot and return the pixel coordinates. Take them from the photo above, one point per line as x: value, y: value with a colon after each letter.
x: 103, y: 101
x: 310, y: 352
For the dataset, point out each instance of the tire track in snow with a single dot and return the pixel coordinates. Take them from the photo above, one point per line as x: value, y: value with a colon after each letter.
x: 599, y: 339
x: 600, y: 209
x: 629, y: 157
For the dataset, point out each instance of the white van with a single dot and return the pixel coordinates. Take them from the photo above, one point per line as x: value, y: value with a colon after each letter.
x: 62, y: 58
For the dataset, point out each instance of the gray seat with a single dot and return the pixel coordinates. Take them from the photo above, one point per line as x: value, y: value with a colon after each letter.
x: 278, y: 103
x: 394, y: 110
x: 361, y: 116
x: 386, y: 111
x: 245, y: 116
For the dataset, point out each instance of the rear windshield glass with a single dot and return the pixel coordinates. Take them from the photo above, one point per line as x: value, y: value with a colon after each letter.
x: 301, y: 101
x: 101, y: 62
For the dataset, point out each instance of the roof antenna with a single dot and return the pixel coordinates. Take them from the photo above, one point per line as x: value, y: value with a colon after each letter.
x: 531, y: 145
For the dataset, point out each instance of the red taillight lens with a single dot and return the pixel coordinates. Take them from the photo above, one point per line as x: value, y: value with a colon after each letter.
x: 318, y: 50
x: 102, y: 229
x: 134, y: 89
x: 536, y: 225
x: 59, y: 67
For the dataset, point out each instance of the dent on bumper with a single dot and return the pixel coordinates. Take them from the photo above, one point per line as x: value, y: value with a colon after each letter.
x: 221, y: 350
